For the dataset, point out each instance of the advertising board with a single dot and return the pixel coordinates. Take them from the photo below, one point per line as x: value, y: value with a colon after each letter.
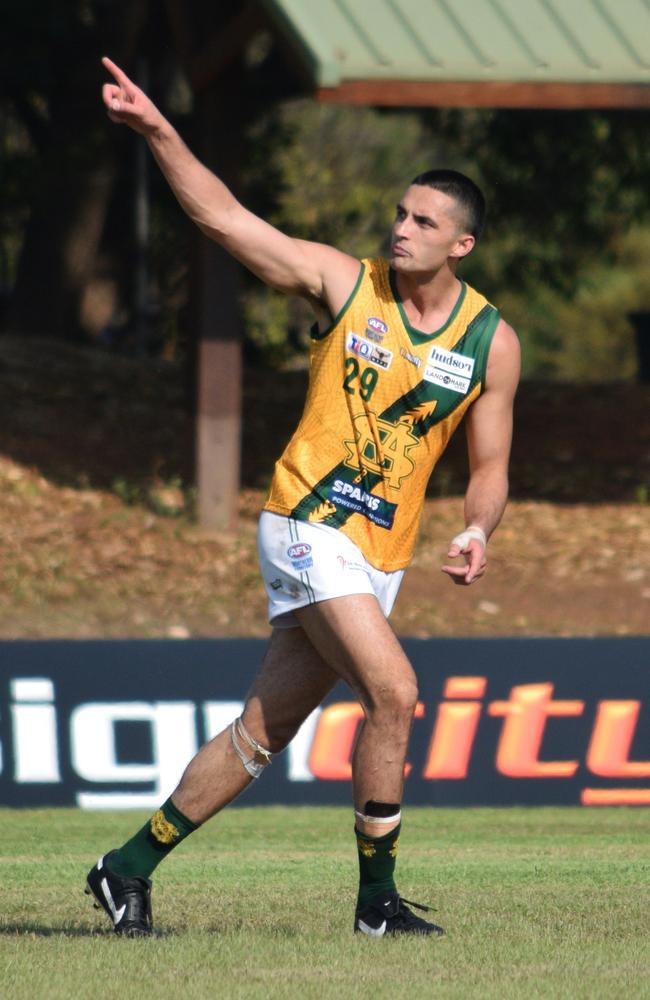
x: 112, y: 724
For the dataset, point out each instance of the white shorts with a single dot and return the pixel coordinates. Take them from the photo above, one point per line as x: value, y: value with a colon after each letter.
x: 303, y: 563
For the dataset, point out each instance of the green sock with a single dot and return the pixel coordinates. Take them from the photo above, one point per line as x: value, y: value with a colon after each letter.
x: 160, y: 835
x: 377, y: 856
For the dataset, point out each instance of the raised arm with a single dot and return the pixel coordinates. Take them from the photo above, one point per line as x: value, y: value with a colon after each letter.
x: 298, y: 267
x: 488, y: 426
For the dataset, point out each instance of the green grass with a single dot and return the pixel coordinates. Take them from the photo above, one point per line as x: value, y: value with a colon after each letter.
x: 538, y: 903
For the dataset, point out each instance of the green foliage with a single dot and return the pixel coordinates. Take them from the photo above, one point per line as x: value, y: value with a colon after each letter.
x: 565, y: 252
x: 565, y: 249
x: 339, y: 170
x: 331, y: 174
x: 584, y: 334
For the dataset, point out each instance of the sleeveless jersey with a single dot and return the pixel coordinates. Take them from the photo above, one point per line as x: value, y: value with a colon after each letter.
x: 382, y: 403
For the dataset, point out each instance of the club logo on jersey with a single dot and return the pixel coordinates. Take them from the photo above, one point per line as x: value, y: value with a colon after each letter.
x: 450, y: 370
x: 300, y: 555
x: 383, y: 448
x: 354, y: 498
x: 413, y: 358
x: 373, y: 353
x: 376, y: 329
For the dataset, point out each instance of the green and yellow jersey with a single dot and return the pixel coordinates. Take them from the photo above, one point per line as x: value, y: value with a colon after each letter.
x: 382, y: 403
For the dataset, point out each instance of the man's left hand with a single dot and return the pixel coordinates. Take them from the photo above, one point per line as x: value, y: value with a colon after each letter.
x: 471, y: 544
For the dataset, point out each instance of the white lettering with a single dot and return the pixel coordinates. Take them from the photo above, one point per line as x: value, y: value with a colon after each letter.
x: 217, y: 716
x: 36, y: 752
x: 93, y: 750
x: 300, y: 747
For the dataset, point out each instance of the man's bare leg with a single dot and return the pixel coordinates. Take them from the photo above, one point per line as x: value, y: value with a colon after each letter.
x: 346, y: 637
x: 354, y: 638
x: 291, y: 683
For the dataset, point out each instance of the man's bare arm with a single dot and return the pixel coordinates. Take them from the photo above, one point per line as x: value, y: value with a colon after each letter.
x: 298, y: 267
x: 489, y: 435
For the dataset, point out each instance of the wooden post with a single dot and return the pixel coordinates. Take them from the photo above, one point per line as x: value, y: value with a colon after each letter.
x: 218, y: 328
x: 218, y: 426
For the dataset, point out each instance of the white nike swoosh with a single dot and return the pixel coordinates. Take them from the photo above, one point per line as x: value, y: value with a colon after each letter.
x: 372, y: 931
x: 116, y: 914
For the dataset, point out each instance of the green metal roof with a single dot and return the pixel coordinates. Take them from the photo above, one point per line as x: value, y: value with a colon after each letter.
x: 542, y: 41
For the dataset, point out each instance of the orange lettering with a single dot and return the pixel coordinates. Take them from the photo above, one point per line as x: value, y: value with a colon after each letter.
x: 455, y: 729
x: 525, y: 717
x: 334, y: 741
x: 452, y: 741
x: 333, y: 746
x: 609, y: 749
x: 615, y: 797
x: 465, y: 687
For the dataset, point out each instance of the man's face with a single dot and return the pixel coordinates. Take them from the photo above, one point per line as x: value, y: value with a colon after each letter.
x: 428, y: 229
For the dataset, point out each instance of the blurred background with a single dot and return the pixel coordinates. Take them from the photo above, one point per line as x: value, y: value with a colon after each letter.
x: 123, y: 333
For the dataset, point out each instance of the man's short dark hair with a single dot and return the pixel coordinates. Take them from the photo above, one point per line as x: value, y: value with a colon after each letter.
x: 464, y: 191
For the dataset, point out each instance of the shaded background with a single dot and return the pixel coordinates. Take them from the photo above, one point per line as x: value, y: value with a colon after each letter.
x: 98, y: 351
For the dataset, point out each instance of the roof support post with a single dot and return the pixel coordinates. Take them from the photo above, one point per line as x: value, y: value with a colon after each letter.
x: 218, y: 329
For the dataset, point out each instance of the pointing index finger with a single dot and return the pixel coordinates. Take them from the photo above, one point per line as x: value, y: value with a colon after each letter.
x: 119, y: 75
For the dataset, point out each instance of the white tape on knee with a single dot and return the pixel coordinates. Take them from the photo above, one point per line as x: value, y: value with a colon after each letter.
x: 254, y: 767
x: 473, y: 532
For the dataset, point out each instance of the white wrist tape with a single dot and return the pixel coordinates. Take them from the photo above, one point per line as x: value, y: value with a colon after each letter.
x: 473, y: 532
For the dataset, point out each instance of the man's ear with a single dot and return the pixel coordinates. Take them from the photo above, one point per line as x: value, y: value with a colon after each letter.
x: 464, y: 245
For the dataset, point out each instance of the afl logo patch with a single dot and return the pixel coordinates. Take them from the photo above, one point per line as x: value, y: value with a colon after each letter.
x: 299, y: 550
x: 300, y: 555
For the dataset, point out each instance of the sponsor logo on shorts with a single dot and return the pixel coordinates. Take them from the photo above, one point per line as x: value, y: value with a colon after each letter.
x: 381, y: 512
x: 450, y: 370
x: 373, y: 353
x: 276, y: 584
x: 346, y: 564
x: 300, y: 555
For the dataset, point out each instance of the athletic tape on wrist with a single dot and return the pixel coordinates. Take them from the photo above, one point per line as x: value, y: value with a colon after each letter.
x: 466, y: 536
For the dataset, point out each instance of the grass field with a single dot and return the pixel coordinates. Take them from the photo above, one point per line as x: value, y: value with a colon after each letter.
x: 548, y: 903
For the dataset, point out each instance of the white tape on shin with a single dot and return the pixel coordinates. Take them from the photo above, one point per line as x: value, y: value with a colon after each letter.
x: 378, y: 820
x: 254, y: 767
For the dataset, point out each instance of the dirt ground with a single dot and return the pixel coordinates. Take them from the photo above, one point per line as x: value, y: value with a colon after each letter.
x: 98, y: 541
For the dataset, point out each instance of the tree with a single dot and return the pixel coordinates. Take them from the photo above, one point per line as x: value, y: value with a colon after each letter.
x: 49, y: 84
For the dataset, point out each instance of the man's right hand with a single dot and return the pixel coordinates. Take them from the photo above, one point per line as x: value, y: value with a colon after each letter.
x: 127, y: 104
x: 296, y: 267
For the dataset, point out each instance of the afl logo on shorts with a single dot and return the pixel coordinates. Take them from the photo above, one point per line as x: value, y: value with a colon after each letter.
x: 300, y: 555
x: 298, y: 550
